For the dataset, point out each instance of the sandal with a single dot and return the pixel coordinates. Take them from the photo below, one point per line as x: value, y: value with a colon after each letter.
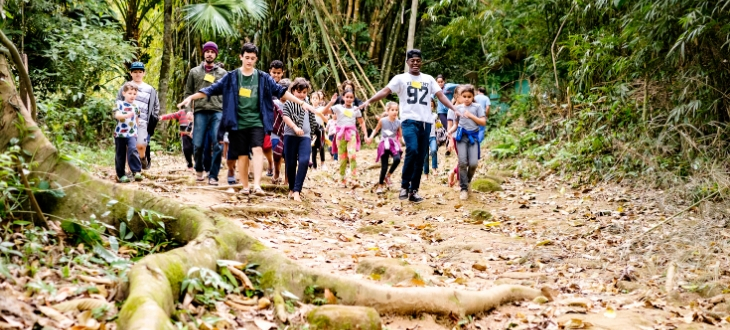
x: 212, y: 182
x: 259, y: 192
x: 244, y: 191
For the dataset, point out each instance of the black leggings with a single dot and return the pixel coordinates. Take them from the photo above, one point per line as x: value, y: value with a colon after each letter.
x: 384, y: 164
x: 318, y: 148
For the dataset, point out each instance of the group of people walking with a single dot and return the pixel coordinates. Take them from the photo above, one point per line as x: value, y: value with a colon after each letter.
x: 255, y: 115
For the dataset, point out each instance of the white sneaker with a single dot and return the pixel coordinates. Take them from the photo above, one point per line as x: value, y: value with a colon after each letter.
x: 464, y: 195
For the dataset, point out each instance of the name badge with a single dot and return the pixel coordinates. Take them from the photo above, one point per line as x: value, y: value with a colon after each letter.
x: 245, y: 92
x: 347, y: 113
x: 209, y: 78
x: 416, y: 84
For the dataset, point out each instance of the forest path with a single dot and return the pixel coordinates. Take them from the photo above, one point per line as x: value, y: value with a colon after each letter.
x: 541, y: 233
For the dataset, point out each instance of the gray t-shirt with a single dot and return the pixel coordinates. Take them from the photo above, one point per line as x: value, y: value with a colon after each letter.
x: 346, y: 116
x: 388, y: 129
x: 476, y: 110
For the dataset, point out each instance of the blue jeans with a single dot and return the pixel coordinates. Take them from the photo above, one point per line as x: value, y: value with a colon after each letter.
x: 207, y: 122
x: 207, y: 152
x: 126, y: 148
x: 433, y: 147
x: 416, y: 135
x: 297, y: 149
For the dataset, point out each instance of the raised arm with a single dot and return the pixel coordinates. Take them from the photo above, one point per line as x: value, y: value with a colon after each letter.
x: 328, y: 108
x: 377, y: 97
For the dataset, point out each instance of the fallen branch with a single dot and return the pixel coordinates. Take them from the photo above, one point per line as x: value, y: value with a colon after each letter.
x: 22, y: 72
x: 671, y: 218
x: 41, y: 220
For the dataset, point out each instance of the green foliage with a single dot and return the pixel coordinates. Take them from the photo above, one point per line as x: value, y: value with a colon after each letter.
x: 217, y: 17
x: 87, y: 123
x: 81, y: 54
x: 207, y: 286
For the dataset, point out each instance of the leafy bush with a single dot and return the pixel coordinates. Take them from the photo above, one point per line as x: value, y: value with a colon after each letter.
x: 90, y: 123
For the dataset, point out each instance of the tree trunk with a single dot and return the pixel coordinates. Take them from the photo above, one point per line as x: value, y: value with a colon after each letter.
x: 155, y: 280
x: 348, y: 13
x: 412, y: 26
x: 131, y: 24
x: 394, y: 45
x: 166, y: 56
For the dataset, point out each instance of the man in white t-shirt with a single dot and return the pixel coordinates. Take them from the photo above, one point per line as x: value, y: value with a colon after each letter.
x: 414, y: 90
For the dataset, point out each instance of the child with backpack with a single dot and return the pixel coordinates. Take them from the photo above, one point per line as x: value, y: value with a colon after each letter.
x: 125, y: 135
x: 390, y: 144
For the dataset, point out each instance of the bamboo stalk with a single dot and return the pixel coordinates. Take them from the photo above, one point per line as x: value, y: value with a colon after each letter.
x: 372, y: 89
x: 325, y: 37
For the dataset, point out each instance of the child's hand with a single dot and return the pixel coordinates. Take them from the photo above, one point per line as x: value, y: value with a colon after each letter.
x: 299, y: 131
x: 129, y: 115
x: 368, y: 140
x: 334, y: 98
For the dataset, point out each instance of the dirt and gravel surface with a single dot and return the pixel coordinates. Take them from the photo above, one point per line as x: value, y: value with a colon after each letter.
x: 582, y: 244
x: 605, y: 255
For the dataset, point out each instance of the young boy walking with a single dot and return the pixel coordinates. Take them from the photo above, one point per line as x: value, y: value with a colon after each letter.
x: 247, y: 112
x: 125, y: 135
x: 149, y: 111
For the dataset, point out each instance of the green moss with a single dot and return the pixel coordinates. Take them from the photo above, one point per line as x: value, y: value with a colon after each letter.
x: 257, y: 247
x: 485, y: 185
x: 269, y: 279
x: 481, y: 215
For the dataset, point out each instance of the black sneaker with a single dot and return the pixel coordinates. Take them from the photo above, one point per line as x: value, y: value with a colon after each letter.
x: 403, y: 194
x: 415, y: 197
x: 143, y: 161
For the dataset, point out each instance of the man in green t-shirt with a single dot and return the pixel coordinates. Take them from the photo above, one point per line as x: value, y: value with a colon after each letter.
x: 248, y: 112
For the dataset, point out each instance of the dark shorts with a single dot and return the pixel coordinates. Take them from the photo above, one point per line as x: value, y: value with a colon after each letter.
x: 242, y: 141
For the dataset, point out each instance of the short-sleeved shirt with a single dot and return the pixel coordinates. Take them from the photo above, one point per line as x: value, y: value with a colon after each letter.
x: 389, y: 129
x: 476, y: 110
x: 414, y: 94
x: 483, y: 100
x: 126, y: 127
x: 346, y: 116
x: 248, y: 114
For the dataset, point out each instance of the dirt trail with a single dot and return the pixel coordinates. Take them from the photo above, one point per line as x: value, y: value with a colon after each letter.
x: 541, y: 233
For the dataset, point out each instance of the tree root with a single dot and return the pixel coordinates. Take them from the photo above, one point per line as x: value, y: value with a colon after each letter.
x: 252, y: 209
x: 154, y: 281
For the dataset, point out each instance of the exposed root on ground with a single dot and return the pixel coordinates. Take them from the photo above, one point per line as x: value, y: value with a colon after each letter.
x: 154, y: 281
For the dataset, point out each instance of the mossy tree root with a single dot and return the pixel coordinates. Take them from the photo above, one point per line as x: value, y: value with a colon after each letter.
x: 155, y: 280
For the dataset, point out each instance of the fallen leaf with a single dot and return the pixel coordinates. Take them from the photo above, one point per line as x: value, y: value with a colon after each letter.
x: 264, y: 325
x: 610, y: 312
x: 545, y: 242
x: 492, y: 224
x: 331, y: 299
x: 264, y: 303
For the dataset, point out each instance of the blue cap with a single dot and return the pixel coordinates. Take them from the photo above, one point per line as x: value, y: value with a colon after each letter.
x: 137, y: 66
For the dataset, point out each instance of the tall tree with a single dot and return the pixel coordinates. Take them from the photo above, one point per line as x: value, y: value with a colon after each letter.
x: 412, y: 27
x: 133, y: 12
x: 166, y: 54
